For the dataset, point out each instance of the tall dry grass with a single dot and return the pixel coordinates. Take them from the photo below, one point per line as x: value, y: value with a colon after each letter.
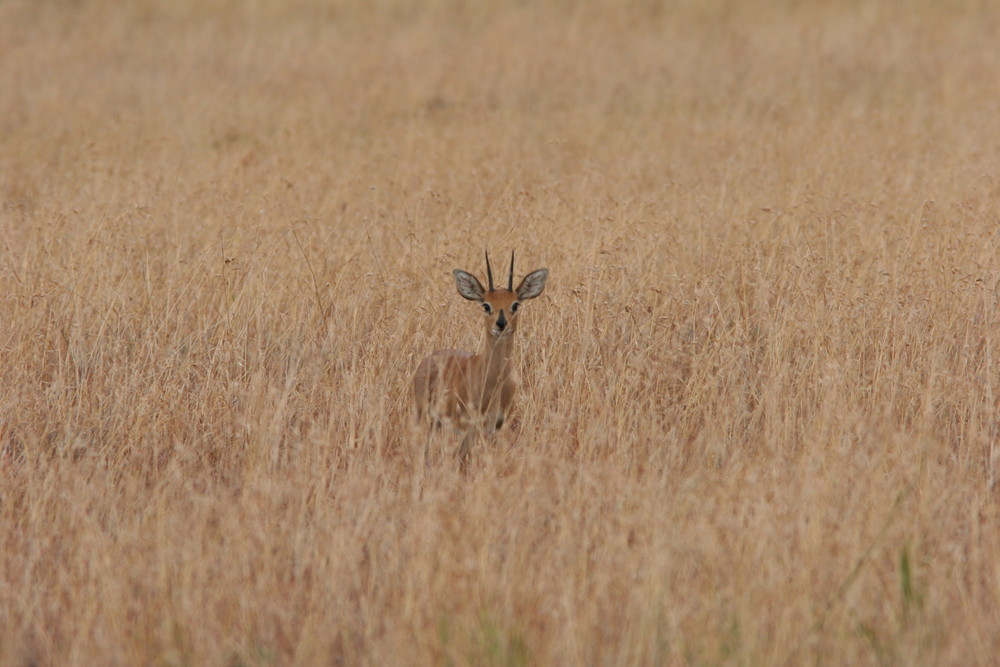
x: 759, y: 411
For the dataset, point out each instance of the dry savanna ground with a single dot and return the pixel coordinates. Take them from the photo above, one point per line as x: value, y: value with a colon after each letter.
x: 758, y: 417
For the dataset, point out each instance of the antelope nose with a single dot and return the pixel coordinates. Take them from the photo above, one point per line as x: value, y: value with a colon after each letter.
x: 501, y: 322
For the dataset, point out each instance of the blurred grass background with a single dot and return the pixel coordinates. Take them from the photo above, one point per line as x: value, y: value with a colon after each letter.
x: 758, y: 419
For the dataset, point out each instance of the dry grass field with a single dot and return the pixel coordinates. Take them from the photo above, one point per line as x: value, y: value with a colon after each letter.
x: 759, y: 409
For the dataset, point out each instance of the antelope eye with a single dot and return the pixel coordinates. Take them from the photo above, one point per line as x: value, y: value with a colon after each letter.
x: 514, y: 306
x: 487, y: 308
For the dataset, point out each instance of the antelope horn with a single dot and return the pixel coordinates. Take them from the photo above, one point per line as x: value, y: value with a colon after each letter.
x: 510, y: 277
x: 489, y: 271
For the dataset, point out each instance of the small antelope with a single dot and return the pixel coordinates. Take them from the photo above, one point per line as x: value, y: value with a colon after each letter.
x: 469, y: 392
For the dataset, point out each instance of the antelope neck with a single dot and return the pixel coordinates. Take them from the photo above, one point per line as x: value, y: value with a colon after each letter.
x: 495, y: 353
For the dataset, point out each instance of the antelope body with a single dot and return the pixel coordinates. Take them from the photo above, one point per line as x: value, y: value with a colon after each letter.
x: 473, y: 392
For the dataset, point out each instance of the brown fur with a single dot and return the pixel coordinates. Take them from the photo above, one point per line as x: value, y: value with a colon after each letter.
x: 472, y: 393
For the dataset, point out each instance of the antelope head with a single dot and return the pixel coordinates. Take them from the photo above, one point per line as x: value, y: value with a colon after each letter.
x: 500, y: 305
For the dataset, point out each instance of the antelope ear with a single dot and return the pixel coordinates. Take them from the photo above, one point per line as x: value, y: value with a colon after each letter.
x: 532, y: 285
x: 468, y: 285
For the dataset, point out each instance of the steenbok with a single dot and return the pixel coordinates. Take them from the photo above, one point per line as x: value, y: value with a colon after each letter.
x: 473, y: 392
